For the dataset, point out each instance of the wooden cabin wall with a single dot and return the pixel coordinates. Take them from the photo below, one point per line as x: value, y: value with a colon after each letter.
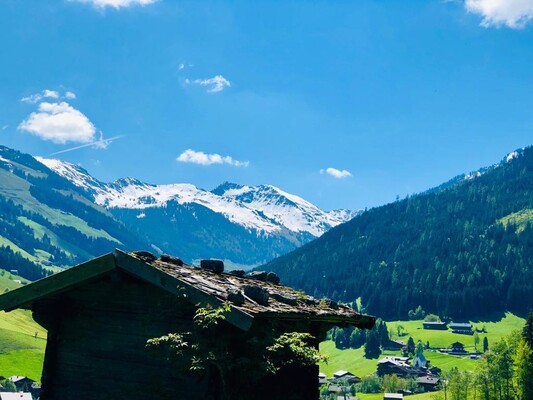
x: 290, y: 383
x: 96, y: 347
x: 97, y: 337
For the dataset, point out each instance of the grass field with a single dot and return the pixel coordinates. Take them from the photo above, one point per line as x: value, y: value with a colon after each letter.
x: 442, y: 339
x: 353, y: 359
x: 21, y: 352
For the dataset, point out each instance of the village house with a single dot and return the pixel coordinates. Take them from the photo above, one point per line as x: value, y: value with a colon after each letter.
x: 435, y: 325
x: 399, y: 366
x: 100, y: 315
x: 394, y: 345
x: 457, y: 347
x: 462, y: 328
x: 428, y: 383
x: 22, y: 383
x: 345, y: 376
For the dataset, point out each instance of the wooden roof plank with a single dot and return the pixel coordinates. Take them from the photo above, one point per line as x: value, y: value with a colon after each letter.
x: 179, y: 287
x: 25, y: 295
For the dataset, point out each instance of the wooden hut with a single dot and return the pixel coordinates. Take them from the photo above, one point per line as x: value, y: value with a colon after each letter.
x: 100, y: 315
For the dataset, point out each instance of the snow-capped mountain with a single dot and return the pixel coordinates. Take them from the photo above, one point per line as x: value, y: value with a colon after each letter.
x: 265, y: 208
x: 244, y: 224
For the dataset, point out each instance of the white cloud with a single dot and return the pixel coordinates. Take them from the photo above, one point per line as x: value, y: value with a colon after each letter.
x: 181, y: 66
x: 215, y: 84
x: 45, y: 94
x: 48, y: 94
x: 60, y: 123
x: 512, y: 13
x: 116, y: 4
x: 336, y: 173
x: 201, y: 158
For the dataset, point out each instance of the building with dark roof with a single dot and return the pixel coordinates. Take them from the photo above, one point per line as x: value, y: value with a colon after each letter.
x: 342, y: 375
x: 435, y: 325
x: 464, y: 328
x: 100, y: 315
x: 428, y: 383
x: 457, y: 347
x: 22, y: 383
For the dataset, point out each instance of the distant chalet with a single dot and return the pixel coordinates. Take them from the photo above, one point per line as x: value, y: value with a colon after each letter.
x: 100, y: 314
x: 463, y: 328
x: 435, y: 325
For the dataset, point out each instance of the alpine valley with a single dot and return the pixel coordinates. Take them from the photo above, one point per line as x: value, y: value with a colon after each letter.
x: 55, y: 214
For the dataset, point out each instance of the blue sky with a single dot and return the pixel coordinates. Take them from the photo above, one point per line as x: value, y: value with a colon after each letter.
x: 346, y: 104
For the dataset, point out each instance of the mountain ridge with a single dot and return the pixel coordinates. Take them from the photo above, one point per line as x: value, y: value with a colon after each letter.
x: 244, y: 225
x: 264, y: 208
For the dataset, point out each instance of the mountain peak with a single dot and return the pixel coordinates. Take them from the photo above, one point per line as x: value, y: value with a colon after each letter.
x: 128, y: 181
x: 224, y: 187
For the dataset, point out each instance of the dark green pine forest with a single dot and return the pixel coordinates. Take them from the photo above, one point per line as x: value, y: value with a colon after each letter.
x: 462, y: 250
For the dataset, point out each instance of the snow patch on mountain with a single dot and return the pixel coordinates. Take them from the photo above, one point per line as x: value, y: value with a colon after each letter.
x: 264, y: 208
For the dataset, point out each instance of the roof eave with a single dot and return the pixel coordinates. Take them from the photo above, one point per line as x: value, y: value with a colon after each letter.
x: 359, y: 320
x: 24, y: 296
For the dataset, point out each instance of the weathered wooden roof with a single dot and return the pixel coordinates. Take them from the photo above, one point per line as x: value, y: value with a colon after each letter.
x: 249, y: 298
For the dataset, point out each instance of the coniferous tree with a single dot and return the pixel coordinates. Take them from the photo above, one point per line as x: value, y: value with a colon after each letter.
x: 485, y: 344
x: 527, y: 332
x: 523, y: 370
x: 410, y: 346
x: 372, y: 349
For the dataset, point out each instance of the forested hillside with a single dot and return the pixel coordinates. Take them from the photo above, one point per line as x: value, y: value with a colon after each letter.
x: 466, y: 250
x: 47, y: 222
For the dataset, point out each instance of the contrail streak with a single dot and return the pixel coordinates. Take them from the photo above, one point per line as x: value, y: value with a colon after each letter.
x: 103, y: 142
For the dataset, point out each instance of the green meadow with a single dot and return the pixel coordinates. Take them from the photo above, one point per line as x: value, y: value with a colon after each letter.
x: 353, y: 360
x: 22, y: 341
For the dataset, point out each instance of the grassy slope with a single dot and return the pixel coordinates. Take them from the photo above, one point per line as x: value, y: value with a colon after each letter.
x: 6, y: 242
x: 39, y: 231
x: 21, y: 353
x: 443, y: 339
x: 18, y: 190
x: 520, y: 219
x: 353, y: 359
